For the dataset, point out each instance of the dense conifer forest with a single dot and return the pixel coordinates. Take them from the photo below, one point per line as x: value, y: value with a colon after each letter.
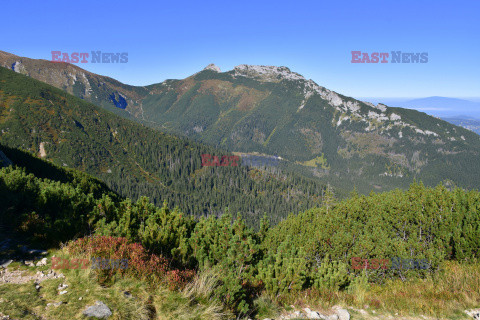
x: 136, y: 161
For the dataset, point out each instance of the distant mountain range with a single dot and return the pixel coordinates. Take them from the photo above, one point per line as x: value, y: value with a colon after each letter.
x: 274, y: 111
x: 461, y: 112
x: 443, y: 106
x: 466, y: 122
x: 437, y: 106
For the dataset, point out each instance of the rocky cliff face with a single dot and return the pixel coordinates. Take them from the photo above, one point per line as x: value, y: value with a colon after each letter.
x: 101, y: 90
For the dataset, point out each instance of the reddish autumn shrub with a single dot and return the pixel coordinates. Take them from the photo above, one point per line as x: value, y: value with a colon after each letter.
x: 141, y: 264
x: 100, y: 246
x: 177, y: 279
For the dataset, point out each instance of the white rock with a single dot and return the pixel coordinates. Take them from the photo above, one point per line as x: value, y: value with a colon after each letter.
x: 18, y: 67
x: 55, y: 304
x: 29, y: 263
x: 42, y: 262
x: 42, y: 151
x: 382, y: 107
x: 394, y: 117
x: 298, y: 314
x: 267, y: 73
x: 99, y: 310
x: 474, y: 313
x: 6, y: 263
x: 374, y: 115
x: 62, y: 286
x: 343, y: 314
x: 213, y: 67
x: 312, y: 314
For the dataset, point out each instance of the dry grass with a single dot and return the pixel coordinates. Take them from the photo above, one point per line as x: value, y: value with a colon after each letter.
x: 445, y: 295
x: 195, y: 301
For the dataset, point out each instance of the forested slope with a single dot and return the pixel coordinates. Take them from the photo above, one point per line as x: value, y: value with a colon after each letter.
x: 138, y: 161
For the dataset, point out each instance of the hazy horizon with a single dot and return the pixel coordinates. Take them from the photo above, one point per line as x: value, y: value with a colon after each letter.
x: 434, y: 105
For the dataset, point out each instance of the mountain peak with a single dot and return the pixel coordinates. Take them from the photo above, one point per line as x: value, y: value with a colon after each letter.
x: 267, y: 73
x: 213, y: 67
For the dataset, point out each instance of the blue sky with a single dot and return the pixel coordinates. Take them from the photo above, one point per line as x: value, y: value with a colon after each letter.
x: 175, y: 39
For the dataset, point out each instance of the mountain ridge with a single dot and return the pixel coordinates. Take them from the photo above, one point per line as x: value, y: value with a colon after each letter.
x: 320, y: 133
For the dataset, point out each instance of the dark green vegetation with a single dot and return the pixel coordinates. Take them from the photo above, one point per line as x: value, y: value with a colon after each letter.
x: 135, y: 160
x: 44, y: 203
x: 271, y: 110
x: 309, y: 251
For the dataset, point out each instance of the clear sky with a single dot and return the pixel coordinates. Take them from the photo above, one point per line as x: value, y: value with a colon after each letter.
x: 174, y: 39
